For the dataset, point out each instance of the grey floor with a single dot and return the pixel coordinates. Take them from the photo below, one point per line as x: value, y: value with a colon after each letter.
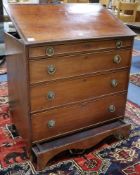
x: 134, y: 91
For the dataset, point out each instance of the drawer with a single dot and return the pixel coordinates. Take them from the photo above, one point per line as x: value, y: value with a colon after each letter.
x: 69, y: 66
x: 45, y: 151
x: 44, y: 96
x: 70, y: 48
x: 57, y: 122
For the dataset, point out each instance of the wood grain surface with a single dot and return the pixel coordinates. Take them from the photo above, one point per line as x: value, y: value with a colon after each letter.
x: 87, y: 139
x: 77, y: 65
x: 37, y: 24
x: 83, y: 115
x: 78, y: 47
x: 74, y: 90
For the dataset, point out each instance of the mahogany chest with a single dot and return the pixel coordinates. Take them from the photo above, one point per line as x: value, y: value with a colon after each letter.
x: 68, y: 72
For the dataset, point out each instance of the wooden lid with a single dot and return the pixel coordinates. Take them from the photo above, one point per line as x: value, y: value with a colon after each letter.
x: 37, y: 23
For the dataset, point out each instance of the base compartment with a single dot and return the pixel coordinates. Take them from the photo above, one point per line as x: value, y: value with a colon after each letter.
x: 43, y: 152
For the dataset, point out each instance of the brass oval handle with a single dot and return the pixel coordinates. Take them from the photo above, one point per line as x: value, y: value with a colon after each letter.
x: 117, y: 59
x: 51, y: 95
x: 51, y: 69
x: 50, y: 51
x: 119, y: 44
x: 51, y: 123
x: 112, y: 108
x: 114, y: 83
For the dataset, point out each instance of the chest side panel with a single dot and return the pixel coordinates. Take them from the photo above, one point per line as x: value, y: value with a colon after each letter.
x: 18, y: 86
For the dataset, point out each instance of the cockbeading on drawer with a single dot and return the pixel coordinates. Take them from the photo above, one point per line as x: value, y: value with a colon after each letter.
x: 49, y: 51
x: 61, y: 121
x: 82, y: 64
x: 64, y: 92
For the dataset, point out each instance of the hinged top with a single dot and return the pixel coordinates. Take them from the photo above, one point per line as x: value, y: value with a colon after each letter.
x: 38, y: 23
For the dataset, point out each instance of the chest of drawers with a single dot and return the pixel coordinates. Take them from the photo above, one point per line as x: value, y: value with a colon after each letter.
x: 68, y: 73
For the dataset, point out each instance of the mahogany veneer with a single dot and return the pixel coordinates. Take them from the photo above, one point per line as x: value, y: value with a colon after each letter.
x: 89, y: 113
x: 45, y: 151
x: 68, y: 72
x: 77, y: 65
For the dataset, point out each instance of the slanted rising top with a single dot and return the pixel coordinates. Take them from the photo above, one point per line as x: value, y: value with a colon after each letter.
x: 37, y: 23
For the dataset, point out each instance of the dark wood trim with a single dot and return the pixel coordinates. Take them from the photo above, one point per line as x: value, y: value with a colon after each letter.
x: 18, y: 85
x: 91, y: 74
x: 71, y: 126
x: 1, y: 12
x: 138, y: 16
x: 9, y: 9
x: 44, y: 152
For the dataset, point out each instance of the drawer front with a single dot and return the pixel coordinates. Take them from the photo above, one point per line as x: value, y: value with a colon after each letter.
x: 59, y: 93
x: 67, y: 48
x: 69, y: 66
x: 56, y: 122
